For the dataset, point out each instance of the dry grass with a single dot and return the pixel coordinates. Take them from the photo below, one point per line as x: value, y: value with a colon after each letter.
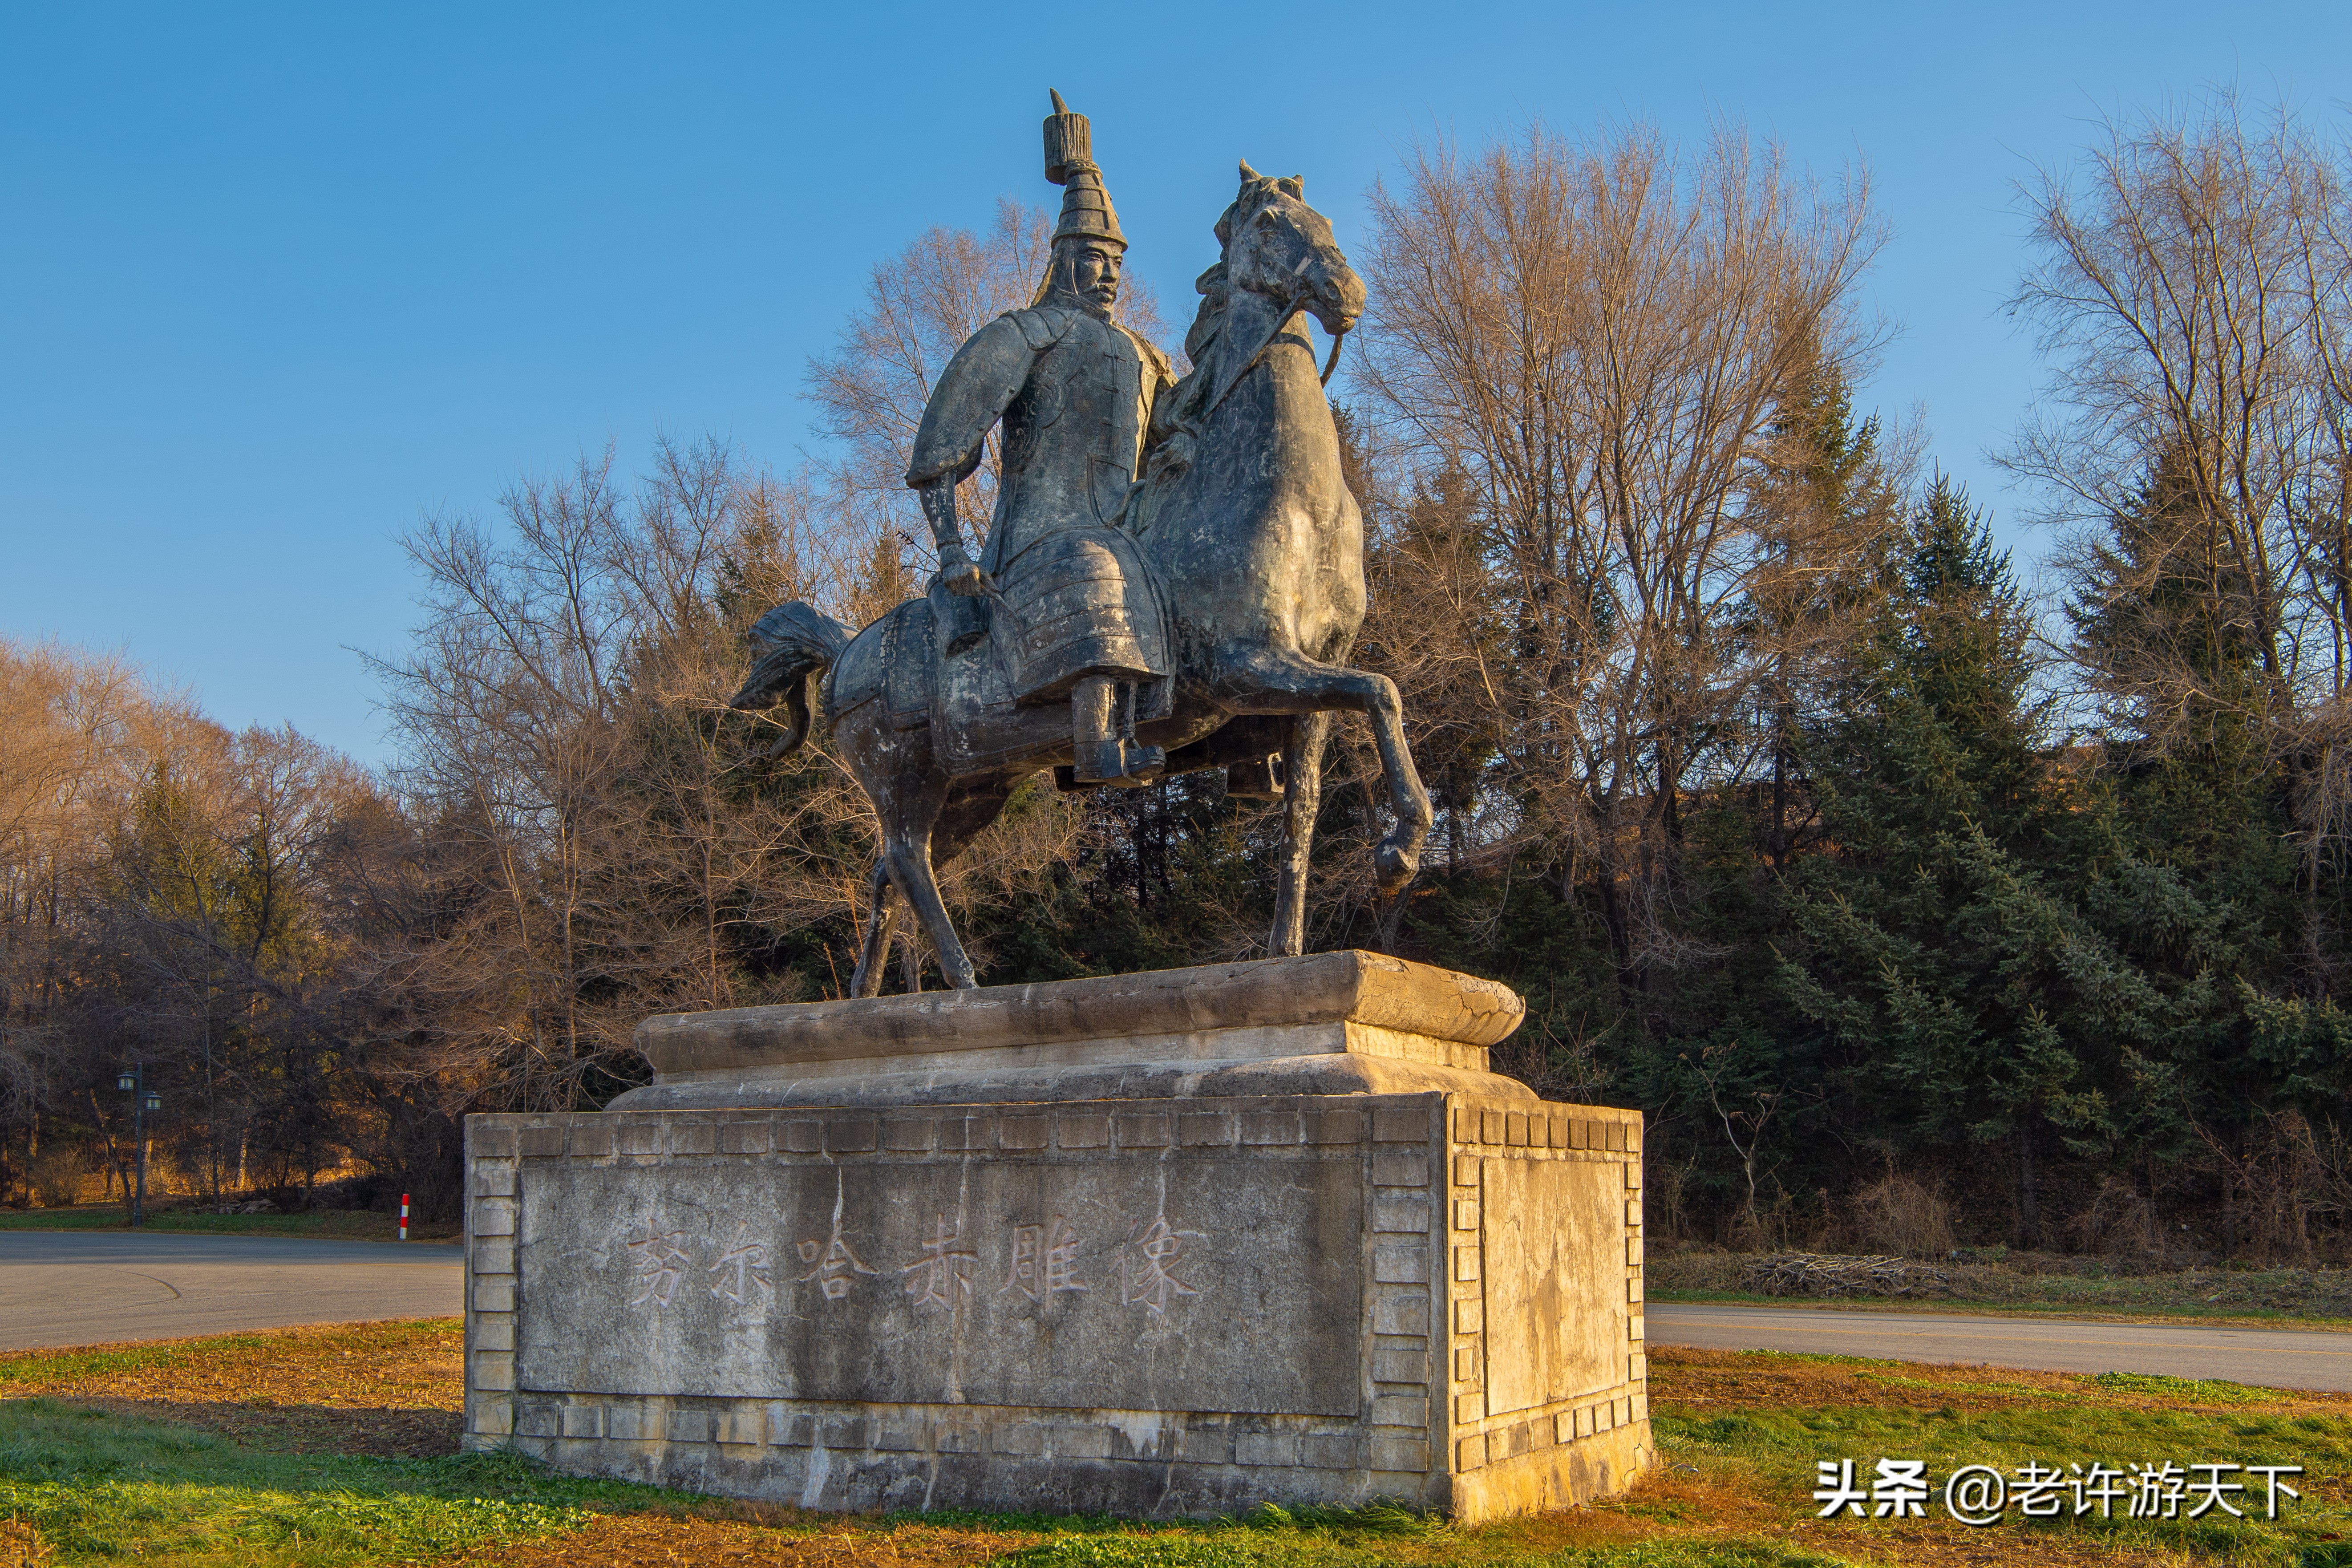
x: 391, y: 1390
x: 1703, y: 1509
x: 1704, y: 1381
x: 317, y: 1225
x: 2030, y: 1283
x: 656, y: 1541
x: 20, y: 1547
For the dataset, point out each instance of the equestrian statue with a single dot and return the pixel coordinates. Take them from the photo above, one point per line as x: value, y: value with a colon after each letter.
x: 1172, y: 580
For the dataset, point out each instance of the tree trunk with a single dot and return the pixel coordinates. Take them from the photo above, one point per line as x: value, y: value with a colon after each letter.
x: 2028, y: 1199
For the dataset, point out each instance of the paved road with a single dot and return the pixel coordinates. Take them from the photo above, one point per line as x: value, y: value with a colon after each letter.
x: 2272, y: 1358
x: 60, y: 1288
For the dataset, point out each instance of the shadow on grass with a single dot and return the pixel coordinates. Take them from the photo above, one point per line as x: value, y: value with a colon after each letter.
x: 389, y: 1433
x: 97, y: 1484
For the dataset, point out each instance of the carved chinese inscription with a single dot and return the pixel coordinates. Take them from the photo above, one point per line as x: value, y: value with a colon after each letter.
x: 1045, y: 1260
x: 1147, y: 1273
x: 742, y: 1268
x: 1027, y: 1283
x: 836, y: 1263
x: 941, y: 1276
x: 660, y: 1265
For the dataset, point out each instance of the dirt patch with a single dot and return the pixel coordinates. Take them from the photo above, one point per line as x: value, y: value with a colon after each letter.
x: 656, y: 1541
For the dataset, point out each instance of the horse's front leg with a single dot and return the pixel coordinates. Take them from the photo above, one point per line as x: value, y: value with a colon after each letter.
x: 1277, y: 680
x: 1302, y: 788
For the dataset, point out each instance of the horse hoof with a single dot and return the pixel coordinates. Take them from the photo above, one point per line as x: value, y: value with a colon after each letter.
x: 1392, y: 867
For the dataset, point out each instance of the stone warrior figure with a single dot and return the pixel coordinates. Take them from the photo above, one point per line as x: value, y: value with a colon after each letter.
x: 1076, y: 392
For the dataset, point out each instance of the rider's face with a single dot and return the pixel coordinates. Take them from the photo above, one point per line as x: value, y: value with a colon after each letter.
x: 1094, y: 274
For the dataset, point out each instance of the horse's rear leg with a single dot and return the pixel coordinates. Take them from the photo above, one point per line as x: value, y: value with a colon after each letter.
x: 910, y: 868
x: 1302, y: 776
x: 907, y: 830
x: 969, y: 809
x: 881, y: 921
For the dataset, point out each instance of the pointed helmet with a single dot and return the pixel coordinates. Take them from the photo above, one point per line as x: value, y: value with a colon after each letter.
x: 1087, y: 212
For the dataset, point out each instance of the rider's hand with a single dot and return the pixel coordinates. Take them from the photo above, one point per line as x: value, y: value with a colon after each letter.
x: 965, y: 580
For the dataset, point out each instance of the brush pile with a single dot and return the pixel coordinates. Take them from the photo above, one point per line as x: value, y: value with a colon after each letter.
x: 1828, y: 1274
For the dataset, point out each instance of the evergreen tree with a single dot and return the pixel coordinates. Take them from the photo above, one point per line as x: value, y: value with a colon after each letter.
x: 2193, y: 868
x: 1960, y: 993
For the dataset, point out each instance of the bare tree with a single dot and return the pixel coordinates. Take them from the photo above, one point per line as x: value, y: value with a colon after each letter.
x: 78, y: 731
x: 2193, y: 292
x: 1591, y: 349
x: 608, y: 838
x: 920, y: 305
x: 562, y: 708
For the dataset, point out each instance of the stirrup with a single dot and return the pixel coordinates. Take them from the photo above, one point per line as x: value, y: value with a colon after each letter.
x: 1140, y: 765
x: 1120, y: 762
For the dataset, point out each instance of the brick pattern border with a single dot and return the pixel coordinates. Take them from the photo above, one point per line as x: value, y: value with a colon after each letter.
x: 1483, y: 1132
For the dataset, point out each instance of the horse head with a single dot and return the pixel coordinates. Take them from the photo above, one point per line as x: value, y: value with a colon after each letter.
x: 1277, y: 246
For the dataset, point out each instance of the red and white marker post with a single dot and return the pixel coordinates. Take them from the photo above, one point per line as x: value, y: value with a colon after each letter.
x: 403, y: 1216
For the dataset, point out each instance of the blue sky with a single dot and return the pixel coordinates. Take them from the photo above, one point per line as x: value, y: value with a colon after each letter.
x: 276, y: 282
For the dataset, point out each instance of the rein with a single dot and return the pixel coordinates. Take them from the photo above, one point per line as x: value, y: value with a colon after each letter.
x: 1192, y: 426
x: 1297, y: 302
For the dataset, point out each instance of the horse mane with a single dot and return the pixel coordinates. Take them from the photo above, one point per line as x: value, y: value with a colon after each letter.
x: 1256, y: 191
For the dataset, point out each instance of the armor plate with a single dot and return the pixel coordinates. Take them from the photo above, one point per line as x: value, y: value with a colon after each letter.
x: 1074, y: 394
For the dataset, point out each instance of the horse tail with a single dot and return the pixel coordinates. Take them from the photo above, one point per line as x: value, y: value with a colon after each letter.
x: 789, y: 644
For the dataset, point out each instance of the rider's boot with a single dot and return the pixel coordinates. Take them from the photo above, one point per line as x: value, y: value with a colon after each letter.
x: 1103, y: 755
x: 1141, y: 763
x: 1100, y: 758
x: 962, y: 623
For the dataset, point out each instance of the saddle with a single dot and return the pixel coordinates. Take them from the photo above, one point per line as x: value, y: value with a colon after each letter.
x: 999, y: 698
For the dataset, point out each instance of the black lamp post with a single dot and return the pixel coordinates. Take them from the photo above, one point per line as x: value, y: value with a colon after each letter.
x: 133, y: 1082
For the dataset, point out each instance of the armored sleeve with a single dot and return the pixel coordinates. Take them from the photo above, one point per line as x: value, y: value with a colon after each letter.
x: 1161, y: 392
x: 972, y: 393
x: 1158, y: 372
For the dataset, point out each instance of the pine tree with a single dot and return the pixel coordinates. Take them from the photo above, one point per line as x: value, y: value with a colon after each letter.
x: 2194, y: 870
x: 1960, y: 991
x: 1824, y: 486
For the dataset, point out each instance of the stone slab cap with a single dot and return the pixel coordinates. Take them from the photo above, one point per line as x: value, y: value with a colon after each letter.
x: 1349, y: 987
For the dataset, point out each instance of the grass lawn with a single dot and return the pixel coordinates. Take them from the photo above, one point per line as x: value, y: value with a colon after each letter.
x: 2156, y: 1311
x: 333, y: 1446
x: 337, y: 1225
x: 2074, y: 1287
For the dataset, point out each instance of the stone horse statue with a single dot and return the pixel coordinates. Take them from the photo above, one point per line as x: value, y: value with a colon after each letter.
x: 1253, y: 552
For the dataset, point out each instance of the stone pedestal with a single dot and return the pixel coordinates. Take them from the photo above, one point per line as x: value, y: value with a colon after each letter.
x: 1321, y: 1261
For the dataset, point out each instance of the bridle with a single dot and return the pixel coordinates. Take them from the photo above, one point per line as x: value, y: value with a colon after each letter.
x: 1292, y: 305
